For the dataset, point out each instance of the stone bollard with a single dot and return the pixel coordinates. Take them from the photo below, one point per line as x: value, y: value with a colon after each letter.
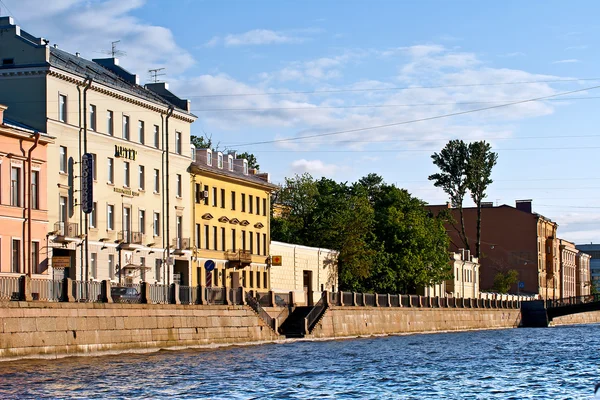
x: 68, y: 290
x: 341, y: 297
x: 201, y: 295
x: 376, y: 299
x: 326, y: 298
x: 354, y: 303
x: 174, y: 295
x: 293, y: 301
x: 271, y: 298
x: 105, y: 294
x: 144, y: 293
x: 389, y: 300
x: 25, y: 288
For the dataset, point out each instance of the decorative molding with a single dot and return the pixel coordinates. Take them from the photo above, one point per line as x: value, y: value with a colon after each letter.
x: 223, y: 219
x: 207, y: 216
x: 234, y: 221
x: 244, y: 223
x: 259, y: 225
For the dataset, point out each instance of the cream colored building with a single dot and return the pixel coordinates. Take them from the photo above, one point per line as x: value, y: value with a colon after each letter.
x: 465, y: 279
x: 230, y: 222
x: 128, y: 231
x: 307, y: 271
x: 567, y: 268
x: 583, y: 275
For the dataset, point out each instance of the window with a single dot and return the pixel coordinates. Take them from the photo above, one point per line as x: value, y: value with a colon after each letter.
x: 243, y: 240
x: 206, y: 237
x: 233, y: 201
x: 142, y: 177
x: 178, y: 142
x: 230, y: 160
x: 215, y: 238
x: 233, y: 240
x: 222, y: 239
x: 179, y: 185
x: 16, y: 256
x: 15, y: 186
x: 111, y: 266
x: 245, y: 167
x: 214, y: 196
x: 243, y: 202
x: 35, y: 256
x: 265, y: 207
x: 156, y: 181
x: 206, y: 198
x: 62, y: 108
x: 93, y: 216
x: 250, y: 198
x: 209, y: 158
x: 94, y: 171
x: 110, y: 125
x: 197, y: 193
x: 93, y: 265
x: 110, y: 217
x: 142, y: 218
x: 222, y: 198
x: 251, y: 237
x: 265, y: 279
x: 35, y: 190
x: 111, y: 171
x: 257, y: 279
x: 251, y: 279
x: 257, y: 243
x: 156, y: 137
x: 126, y: 127
x: 220, y: 160
x: 264, y: 243
x: 156, y: 224
x: 126, y: 181
x: 92, y: 125
x: 157, y: 269
x: 257, y: 205
x: 63, y: 159
x: 197, y: 244
x: 179, y: 231
x: 141, y: 133
x: 62, y: 209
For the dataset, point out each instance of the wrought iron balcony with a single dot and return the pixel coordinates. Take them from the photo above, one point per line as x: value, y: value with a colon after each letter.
x: 241, y: 256
x: 130, y: 237
x: 180, y: 244
x: 66, y: 229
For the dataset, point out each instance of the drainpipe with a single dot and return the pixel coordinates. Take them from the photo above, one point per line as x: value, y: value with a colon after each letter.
x: 80, y: 186
x: 29, y: 204
x: 162, y: 183
x: 86, y: 220
x: 169, y: 114
x: 195, y: 253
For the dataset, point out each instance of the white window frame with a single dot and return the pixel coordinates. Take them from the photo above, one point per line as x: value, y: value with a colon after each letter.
x: 126, y: 127
x: 62, y: 107
x: 110, y: 217
x: 142, y: 132
x: 142, y: 177
x: 93, y: 125
x: 110, y: 122
x: 110, y: 178
x: 63, y: 161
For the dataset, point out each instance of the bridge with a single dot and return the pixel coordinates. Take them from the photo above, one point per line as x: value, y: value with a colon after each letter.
x: 540, y: 313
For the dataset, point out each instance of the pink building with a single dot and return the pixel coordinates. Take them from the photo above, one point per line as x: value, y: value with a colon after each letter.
x: 23, y: 209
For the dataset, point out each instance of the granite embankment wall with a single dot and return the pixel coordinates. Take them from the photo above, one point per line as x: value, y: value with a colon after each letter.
x: 34, y: 329
x: 338, y: 322
x: 592, y: 317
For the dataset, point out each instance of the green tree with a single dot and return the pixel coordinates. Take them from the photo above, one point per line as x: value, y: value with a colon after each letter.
x: 202, y: 142
x: 504, y: 280
x: 452, y: 178
x: 252, y: 162
x: 479, y: 170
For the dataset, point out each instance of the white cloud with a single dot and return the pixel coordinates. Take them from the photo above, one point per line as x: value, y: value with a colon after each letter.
x: 258, y: 37
x: 314, y: 167
x: 578, y: 47
x: 567, y: 61
x: 215, y: 40
x: 513, y: 54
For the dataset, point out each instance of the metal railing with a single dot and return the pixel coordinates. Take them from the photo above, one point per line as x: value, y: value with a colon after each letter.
x: 348, y: 298
x: 264, y: 299
x: 369, y: 299
x: 215, y: 295
x: 130, y: 237
x: 188, y: 294
x: 314, y: 314
x: 243, y: 256
x: 181, y: 243
x: 87, y: 291
x: 235, y: 296
x: 571, y: 301
x: 282, y: 299
x: 335, y: 298
x: 255, y: 305
x: 46, y: 290
x: 158, y: 294
x: 9, y: 288
x: 382, y: 300
x: 67, y: 229
x: 394, y: 300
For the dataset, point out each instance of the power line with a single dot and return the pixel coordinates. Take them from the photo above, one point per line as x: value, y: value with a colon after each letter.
x: 418, y: 120
x: 421, y: 150
x: 392, y: 88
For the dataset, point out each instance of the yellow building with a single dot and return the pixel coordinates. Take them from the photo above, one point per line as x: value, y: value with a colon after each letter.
x: 231, y: 214
x: 100, y: 108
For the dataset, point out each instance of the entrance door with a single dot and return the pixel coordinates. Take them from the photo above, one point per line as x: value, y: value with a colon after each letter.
x: 308, y: 289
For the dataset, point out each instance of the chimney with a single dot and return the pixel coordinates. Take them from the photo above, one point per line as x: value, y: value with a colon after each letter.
x: 487, y: 204
x: 523, y: 205
x: 112, y: 64
x: 2, y: 109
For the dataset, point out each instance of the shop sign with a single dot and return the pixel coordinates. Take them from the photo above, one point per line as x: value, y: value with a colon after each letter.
x: 124, y: 152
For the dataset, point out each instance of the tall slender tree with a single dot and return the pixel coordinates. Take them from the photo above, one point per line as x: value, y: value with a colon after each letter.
x: 452, y: 161
x: 479, y: 170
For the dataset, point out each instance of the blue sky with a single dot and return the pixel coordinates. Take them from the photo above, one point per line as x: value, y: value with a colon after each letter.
x: 467, y: 50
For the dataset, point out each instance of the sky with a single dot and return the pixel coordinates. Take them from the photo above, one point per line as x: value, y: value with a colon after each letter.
x: 337, y: 88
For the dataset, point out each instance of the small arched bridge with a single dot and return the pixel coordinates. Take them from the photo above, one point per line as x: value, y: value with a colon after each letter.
x: 540, y: 313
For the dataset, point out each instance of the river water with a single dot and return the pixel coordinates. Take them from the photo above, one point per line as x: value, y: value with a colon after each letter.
x: 552, y: 363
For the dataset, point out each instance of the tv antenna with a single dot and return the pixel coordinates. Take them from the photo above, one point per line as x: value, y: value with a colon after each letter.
x: 155, y: 73
x: 114, y: 52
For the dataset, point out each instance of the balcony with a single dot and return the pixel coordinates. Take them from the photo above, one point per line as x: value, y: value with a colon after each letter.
x: 180, y: 244
x: 66, y: 232
x: 239, y: 256
x: 130, y: 239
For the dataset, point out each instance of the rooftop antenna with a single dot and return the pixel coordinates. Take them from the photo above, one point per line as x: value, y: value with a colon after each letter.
x: 155, y: 73
x: 113, y: 52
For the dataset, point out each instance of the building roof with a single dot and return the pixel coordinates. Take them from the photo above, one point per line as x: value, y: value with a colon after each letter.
x: 250, y: 178
x: 439, y: 207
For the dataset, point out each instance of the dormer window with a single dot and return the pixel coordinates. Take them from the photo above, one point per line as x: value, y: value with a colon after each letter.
x: 208, y: 157
x: 220, y: 160
x: 193, y: 153
x: 230, y: 162
x: 245, y: 167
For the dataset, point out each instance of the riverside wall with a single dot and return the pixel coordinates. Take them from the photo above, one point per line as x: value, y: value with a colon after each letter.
x: 592, y: 317
x: 36, y: 330
x: 340, y: 322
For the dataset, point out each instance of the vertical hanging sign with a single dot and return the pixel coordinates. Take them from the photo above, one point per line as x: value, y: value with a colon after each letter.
x: 87, y: 183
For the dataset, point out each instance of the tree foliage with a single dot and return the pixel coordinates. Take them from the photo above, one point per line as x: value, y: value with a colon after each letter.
x: 252, y: 162
x: 205, y: 142
x: 504, y: 280
x: 386, y: 239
